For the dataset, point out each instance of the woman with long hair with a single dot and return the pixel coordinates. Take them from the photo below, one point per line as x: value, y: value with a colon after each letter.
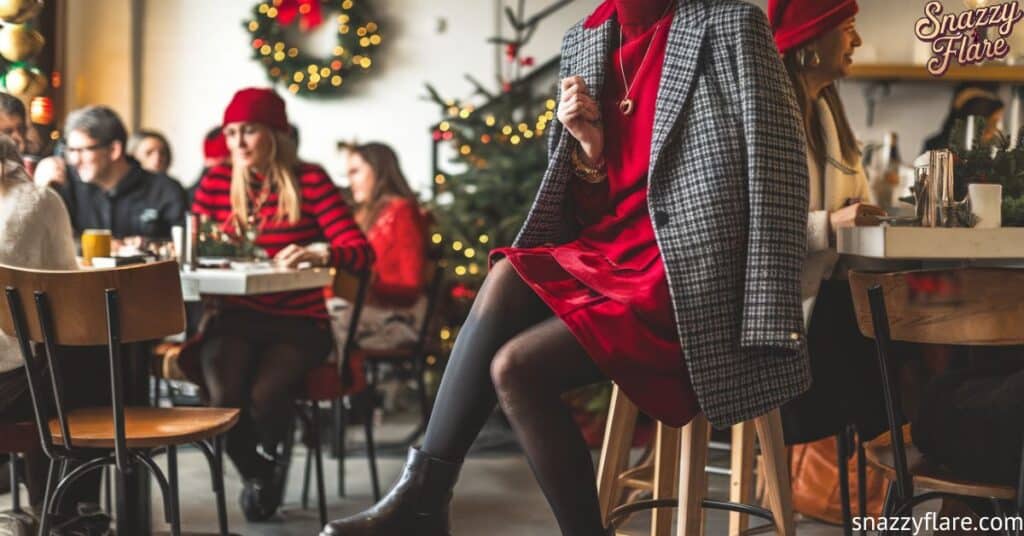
x: 255, y: 351
x: 388, y: 212
x: 817, y: 39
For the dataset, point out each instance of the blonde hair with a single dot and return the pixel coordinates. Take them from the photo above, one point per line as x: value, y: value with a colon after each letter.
x: 280, y: 173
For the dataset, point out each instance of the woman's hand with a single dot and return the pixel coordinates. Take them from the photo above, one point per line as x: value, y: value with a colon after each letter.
x: 294, y: 254
x: 855, y: 215
x: 581, y: 116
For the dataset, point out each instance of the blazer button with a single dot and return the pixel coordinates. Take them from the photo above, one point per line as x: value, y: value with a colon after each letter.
x: 660, y: 218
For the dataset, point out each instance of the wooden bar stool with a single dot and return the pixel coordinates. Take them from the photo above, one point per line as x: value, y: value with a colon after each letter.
x: 680, y: 457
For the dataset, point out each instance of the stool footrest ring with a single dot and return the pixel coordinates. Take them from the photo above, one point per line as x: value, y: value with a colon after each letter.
x: 650, y: 504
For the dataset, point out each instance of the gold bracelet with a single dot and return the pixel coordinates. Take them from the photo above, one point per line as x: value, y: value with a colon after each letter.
x: 591, y: 174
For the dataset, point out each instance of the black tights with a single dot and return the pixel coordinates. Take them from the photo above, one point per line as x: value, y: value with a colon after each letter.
x: 257, y: 362
x: 512, y: 351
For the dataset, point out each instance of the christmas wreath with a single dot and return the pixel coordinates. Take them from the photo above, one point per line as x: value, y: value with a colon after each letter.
x: 301, y: 71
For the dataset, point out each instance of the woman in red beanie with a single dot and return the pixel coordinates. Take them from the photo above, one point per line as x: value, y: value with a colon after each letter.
x: 817, y: 39
x: 256, y: 350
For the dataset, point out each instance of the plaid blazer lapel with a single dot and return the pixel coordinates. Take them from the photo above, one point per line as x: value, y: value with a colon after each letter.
x: 679, y: 70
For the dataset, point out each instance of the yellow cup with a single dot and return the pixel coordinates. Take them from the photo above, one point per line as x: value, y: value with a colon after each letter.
x: 95, y: 243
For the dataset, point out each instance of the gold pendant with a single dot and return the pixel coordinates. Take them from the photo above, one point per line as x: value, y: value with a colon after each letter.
x: 626, y: 106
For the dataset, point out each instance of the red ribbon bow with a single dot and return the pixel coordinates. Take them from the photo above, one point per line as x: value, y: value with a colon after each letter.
x: 308, y: 11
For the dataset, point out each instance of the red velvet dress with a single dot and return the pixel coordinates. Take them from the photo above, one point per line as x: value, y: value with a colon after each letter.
x: 609, y: 285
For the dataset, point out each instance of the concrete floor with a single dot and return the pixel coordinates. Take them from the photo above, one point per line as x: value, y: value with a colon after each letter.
x: 496, y: 496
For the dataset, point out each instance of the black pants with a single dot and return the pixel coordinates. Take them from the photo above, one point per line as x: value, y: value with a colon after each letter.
x: 86, y: 375
x: 846, y: 385
x: 257, y: 362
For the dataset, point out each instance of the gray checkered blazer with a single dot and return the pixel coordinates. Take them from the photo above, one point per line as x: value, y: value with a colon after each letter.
x: 727, y: 194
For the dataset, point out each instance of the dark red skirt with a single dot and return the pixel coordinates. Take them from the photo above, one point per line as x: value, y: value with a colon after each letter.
x: 621, y: 314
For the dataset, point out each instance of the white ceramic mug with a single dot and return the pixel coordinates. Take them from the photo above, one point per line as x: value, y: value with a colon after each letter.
x: 986, y: 201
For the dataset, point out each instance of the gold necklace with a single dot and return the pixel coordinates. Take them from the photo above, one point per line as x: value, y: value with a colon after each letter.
x: 626, y: 105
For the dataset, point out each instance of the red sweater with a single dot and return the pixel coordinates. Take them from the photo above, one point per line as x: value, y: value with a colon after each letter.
x: 398, y: 237
x: 325, y: 218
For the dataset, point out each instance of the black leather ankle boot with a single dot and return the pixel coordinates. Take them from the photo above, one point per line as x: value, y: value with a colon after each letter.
x: 416, y: 506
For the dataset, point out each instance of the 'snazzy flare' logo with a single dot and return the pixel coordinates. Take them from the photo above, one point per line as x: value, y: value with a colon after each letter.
x: 962, y: 36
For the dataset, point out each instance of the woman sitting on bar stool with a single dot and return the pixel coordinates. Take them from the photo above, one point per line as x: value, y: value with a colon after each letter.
x: 35, y: 232
x: 689, y: 292
x: 255, y: 351
x: 389, y: 214
x: 817, y: 39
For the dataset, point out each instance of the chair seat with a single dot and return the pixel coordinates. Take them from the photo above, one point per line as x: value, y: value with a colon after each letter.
x: 928, y: 475
x: 145, y: 427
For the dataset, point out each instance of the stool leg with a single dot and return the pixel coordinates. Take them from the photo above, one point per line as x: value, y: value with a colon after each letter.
x: 618, y: 438
x: 741, y: 474
x: 776, y: 470
x: 692, y: 477
x: 666, y: 476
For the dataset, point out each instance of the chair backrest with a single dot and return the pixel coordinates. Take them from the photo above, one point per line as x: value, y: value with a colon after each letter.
x: 969, y: 306
x: 352, y: 287
x: 87, y: 308
x: 149, y: 295
x: 433, y: 271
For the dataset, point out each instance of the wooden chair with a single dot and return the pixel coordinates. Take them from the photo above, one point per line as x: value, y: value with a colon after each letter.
x: 107, y: 308
x: 680, y: 457
x: 17, y: 438
x: 333, y: 382
x: 973, y: 306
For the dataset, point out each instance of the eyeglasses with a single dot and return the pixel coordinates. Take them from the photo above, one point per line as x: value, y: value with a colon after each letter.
x: 79, y: 150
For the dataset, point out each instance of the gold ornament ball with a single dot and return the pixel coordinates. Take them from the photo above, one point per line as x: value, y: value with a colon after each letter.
x: 18, y: 11
x: 25, y: 84
x: 19, y: 43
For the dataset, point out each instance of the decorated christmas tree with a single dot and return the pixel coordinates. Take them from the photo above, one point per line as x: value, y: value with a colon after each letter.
x: 499, y: 145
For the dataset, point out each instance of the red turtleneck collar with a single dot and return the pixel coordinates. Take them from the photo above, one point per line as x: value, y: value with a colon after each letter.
x: 636, y: 15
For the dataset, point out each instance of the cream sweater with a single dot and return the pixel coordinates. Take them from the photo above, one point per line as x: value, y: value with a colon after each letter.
x: 35, y: 232
x: 830, y: 187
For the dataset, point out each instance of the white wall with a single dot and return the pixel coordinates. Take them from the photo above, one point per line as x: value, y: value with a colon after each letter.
x: 98, y: 49
x: 196, y: 54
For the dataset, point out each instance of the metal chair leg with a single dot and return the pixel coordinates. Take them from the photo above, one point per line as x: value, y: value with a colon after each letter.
x: 843, y: 454
x: 862, y: 482
x: 44, y: 514
x: 108, y: 490
x: 318, y: 458
x: 209, y: 450
x: 371, y: 449
x: 305, y: 478
x: 15, y: 488
x: 339, y: 430
x: 172, y: 477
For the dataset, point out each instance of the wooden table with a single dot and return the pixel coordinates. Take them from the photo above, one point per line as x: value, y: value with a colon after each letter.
x: 992, y: 247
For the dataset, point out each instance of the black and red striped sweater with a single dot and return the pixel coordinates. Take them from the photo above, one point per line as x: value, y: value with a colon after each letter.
x: 325, y: 218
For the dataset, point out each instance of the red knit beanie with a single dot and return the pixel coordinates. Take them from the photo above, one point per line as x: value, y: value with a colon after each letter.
x: 257, y: 105
x: 796, y: 22
x: 216, y: 147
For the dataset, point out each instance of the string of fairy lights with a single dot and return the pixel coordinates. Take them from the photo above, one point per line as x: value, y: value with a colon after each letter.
x: 305, y: 73
x: 485, y: 130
